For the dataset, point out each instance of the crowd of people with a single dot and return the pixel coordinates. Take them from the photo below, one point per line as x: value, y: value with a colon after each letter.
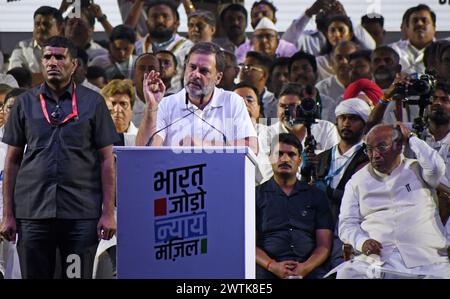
x: 351, y: 135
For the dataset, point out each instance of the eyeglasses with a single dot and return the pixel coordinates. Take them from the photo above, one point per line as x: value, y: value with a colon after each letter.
x: 381, y: 149
x: 268, y: 36
x: 249, y: 68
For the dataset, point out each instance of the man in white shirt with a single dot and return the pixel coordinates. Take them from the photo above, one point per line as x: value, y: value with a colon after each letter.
x: 389, y: 211
x: 335, y: 85
x: 313, y: 42
x: 420, y: 30
x: 200, y: 114
x: 324, y: 132
x: 48, y: 22
x: 163, y: 21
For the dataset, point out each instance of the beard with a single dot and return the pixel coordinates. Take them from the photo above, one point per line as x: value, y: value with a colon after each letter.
x: 161, y: 33
x: 350, y: 137
x: 439, y: 117
x: 197, y: 92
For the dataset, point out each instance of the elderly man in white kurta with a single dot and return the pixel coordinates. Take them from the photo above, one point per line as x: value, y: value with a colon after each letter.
x: 389, y: 210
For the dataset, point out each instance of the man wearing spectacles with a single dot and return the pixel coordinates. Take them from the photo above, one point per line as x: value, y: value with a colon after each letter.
x: 389, y: 213
x: 59, y: 193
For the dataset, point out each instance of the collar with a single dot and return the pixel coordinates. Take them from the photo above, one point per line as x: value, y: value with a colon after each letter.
x: 274, y: 187
x: 381, y: 176
x: 213, y: 103
x: 36, y: 45
x: 348, y: 153
x: 335, y: 79
x: 45, y: 90
x: 163, y: 45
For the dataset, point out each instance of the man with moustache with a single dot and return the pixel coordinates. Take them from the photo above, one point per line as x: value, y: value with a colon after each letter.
x: 293, y: 221
x: 337, y: 165
x: 48, y: 22
x: 163, y: 21
x: 420, y: 25
x: 59, y: 192
x: 200, y: 114
x: 389, y: 213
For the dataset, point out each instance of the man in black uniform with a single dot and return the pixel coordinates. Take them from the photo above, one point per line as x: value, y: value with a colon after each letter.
x: 54, y: 190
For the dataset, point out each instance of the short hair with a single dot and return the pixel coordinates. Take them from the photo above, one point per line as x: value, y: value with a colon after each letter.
x: 49, y: 11
x: 388, y: 49
x: 291, y: 88
x: 300, y: 55
x: 143, y: 55
x: 82, y: 55
x: 372, y: 18
x: 209, y: 48
x: 286, y: 138
x: 364, y: 54
x: 117, y: 86
x: 265, y: 2
x: 22, y: 75
x: 264, y: 60
x: 233, y: 7
x: 417, y: 8
x: 279, y: 62
x: 14, y: 93
x: 123, y: 32
x: 174, y: 58
x: 62, y: 42
x: 94, y: 72
x: 445, y: 87
x: 246, y: 85
x: 206, y: 15
x: 169, y: 3
x: 232, y: 56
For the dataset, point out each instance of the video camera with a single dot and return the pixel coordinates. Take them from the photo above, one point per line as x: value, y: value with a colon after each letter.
x: 305, y: 113
x: 422, y: 85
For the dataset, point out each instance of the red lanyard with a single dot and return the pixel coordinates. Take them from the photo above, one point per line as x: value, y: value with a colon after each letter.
x: 71, y: 115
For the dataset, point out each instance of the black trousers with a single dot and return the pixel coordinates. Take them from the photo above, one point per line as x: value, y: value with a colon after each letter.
x: 38, y: 240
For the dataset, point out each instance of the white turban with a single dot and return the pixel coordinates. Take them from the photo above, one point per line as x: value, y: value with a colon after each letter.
x: 266, y: 23
x: 354, y: 106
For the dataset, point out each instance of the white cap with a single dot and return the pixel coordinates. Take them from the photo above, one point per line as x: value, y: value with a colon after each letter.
x: 8, y: 80
x: 265, y: 23
x: 354, y: 106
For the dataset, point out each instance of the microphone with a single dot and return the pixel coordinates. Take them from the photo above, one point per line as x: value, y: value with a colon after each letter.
x: 172, y: 123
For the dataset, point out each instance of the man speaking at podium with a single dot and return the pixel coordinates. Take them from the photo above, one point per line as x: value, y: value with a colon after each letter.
x: 200, y: 114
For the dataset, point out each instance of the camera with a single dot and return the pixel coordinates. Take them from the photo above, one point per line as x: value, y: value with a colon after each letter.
x: 305, y: 113
x: 422, y: 85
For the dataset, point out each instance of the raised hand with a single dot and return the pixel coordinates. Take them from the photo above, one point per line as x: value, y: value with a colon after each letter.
x: 154, y: 89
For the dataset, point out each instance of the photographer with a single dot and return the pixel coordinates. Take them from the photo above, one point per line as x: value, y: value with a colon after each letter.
x: 293, y: 99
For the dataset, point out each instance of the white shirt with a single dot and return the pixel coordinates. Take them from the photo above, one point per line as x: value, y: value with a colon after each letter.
x: 138, y: 109
x: 409, y: 113
x: 130, y: 135
x: 91, y: 86
x: 331, y: 87
x: 270, y: 104
x: 324, y: 68
x: 324, y: 132
x: 339, y: 164
x: 443, y: 148
x: 95, y: 50
x: 313, y: 41
x: 328, y: 108
x: 226, y: 112
x: 263, y: 167
x: 27, y: 54
x: 398, y: 210
x: 179, y: 46
x: 411, y: 58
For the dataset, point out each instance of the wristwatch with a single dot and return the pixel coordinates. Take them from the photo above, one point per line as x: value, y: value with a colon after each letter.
x: 102, y: 18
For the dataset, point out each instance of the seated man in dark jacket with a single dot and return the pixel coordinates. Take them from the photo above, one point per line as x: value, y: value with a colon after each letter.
x: 293, y: 220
